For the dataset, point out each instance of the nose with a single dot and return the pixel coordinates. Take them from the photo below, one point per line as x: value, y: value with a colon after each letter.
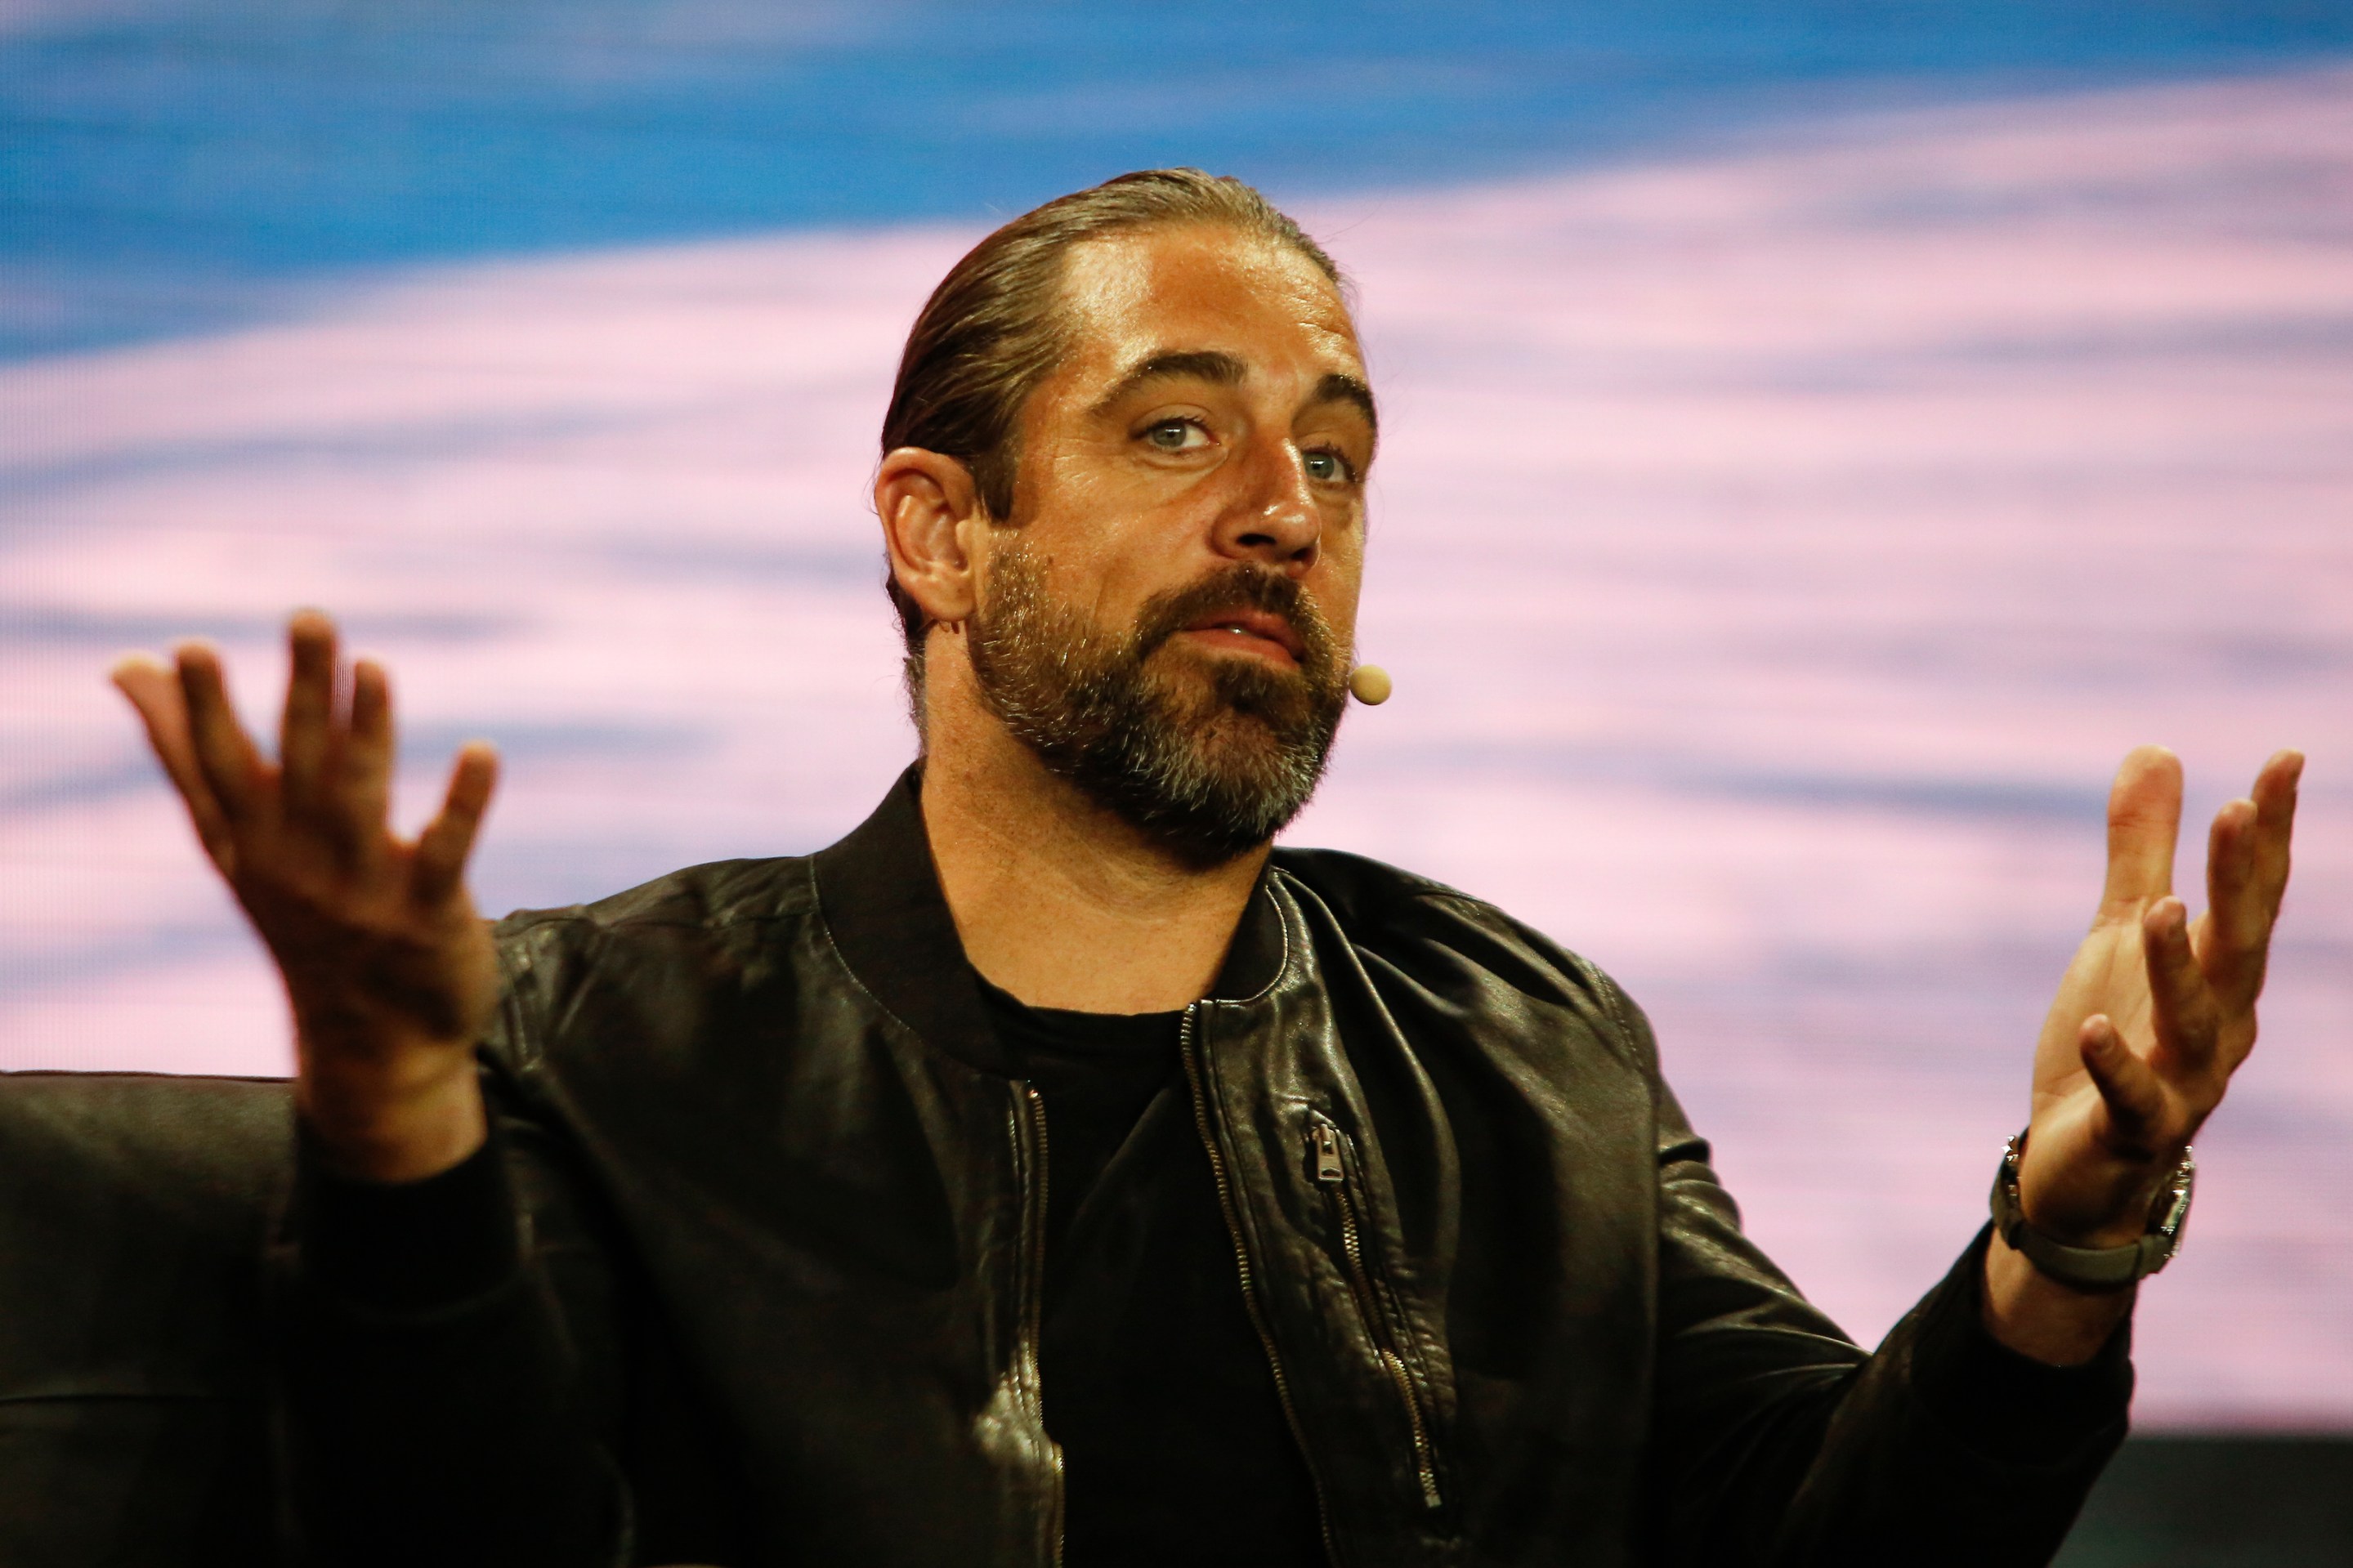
x: 1273, y: 518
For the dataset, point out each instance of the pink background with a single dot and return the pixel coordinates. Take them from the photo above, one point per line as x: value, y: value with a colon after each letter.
x: 1775, y: 551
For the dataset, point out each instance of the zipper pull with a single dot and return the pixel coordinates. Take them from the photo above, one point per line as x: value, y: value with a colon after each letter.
x: 1325, y: 1140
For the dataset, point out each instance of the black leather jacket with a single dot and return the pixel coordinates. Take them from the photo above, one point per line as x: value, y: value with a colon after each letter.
x: 760, y: 1278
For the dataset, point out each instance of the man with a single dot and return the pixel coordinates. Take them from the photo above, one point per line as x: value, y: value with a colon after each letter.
x: 1050, y: 1172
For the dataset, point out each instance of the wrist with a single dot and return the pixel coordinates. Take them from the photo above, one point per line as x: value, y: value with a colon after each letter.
x: 2043, y: 1318
x: 401, y: 1121
x: 2118, y: 1213
x: 2115, y: 1259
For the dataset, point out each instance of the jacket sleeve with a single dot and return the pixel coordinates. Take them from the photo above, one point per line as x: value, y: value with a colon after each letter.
x: 448, y: 1363
x: 1779, y: 1444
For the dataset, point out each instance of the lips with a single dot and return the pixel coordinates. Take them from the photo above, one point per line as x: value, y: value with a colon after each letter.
x: 1262, y: 625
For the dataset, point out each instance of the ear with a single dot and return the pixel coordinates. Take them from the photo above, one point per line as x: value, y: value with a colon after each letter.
x: 929, y: 507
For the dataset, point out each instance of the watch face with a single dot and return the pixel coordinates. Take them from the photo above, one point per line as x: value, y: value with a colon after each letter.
x: 2172, y: 1212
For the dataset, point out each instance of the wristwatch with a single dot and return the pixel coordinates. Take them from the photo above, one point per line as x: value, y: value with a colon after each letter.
x: 2094, y: 1267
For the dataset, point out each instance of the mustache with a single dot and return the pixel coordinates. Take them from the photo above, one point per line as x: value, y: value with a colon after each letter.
x: 1243, y: 587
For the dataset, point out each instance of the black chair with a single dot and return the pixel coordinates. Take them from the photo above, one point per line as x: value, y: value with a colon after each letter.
x: 134, y: 1416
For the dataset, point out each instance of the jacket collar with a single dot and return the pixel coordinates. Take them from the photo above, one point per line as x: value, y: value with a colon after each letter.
x: 879, y: 891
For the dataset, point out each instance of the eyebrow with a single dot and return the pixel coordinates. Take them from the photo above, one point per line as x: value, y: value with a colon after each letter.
x: 1217, y: 368
x: 1341, y: 387
x: 1221, y: 369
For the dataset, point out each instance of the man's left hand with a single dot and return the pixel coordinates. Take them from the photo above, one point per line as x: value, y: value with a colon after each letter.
x: 2154, y: 1015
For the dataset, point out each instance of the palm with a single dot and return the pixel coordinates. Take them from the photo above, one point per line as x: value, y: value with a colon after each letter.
x: 2153, y: 1016
x: 366, y: 947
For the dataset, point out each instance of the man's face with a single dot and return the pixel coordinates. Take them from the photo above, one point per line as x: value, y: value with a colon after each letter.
x: 1170, y: 621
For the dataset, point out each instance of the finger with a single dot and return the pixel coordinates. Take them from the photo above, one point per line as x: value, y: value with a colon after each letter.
x: 2144, y: 816
x: 306, y: 735
x: 2230, y: 941
x: 2129, y: 1088
x: 449, y: 838
x: 232, y: 769
x: 2186, y: 1016
x: 2274, y: 798
x: 155, y: 695
x: 364, y: 783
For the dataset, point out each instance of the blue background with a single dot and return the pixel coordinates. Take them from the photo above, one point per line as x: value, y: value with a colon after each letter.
x: 163, y: 165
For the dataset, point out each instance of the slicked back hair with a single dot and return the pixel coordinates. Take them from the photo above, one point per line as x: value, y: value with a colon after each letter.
x: 995, y: 328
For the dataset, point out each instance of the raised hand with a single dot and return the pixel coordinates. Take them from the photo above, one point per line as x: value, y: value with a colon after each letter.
x: 390, y: 974
x: 2153, y: 1017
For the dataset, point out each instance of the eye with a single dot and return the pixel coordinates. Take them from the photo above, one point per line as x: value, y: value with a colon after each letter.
x: 1326, y: 466
x: 1177, y: 435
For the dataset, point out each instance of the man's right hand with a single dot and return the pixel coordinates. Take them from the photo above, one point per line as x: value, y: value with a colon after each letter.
x: 391, y: 975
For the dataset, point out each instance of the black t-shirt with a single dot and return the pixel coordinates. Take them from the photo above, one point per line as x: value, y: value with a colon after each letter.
x: 1175, y: 1446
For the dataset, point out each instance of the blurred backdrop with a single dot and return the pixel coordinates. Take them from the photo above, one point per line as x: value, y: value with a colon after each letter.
x: 1819, y: 439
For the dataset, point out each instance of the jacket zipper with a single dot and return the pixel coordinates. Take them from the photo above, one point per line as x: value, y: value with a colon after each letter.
x: 1332, y: 1174
x: 1186, y: 1049
x: 1033, y: 1304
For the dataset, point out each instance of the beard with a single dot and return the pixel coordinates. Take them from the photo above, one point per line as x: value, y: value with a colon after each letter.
x: 1211, y: 756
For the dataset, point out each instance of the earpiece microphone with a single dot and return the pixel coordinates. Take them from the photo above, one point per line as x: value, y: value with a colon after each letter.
x: 1371, y: 684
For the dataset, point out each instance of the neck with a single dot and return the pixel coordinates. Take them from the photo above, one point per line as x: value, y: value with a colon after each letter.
x: 1058, y: 900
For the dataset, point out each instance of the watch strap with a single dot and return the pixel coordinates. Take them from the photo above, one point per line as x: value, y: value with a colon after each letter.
x: 2094, y: 1267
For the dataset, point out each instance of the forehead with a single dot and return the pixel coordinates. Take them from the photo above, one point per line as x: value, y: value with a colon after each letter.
x: 1202, y: 286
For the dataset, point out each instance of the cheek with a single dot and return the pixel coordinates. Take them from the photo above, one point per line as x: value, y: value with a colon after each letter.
x: 1112, y: 561
x: 1089, y: 574
x: 1338, y: 579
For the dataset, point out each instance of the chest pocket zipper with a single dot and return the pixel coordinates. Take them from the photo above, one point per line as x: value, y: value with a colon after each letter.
x: 1324, y: 1146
